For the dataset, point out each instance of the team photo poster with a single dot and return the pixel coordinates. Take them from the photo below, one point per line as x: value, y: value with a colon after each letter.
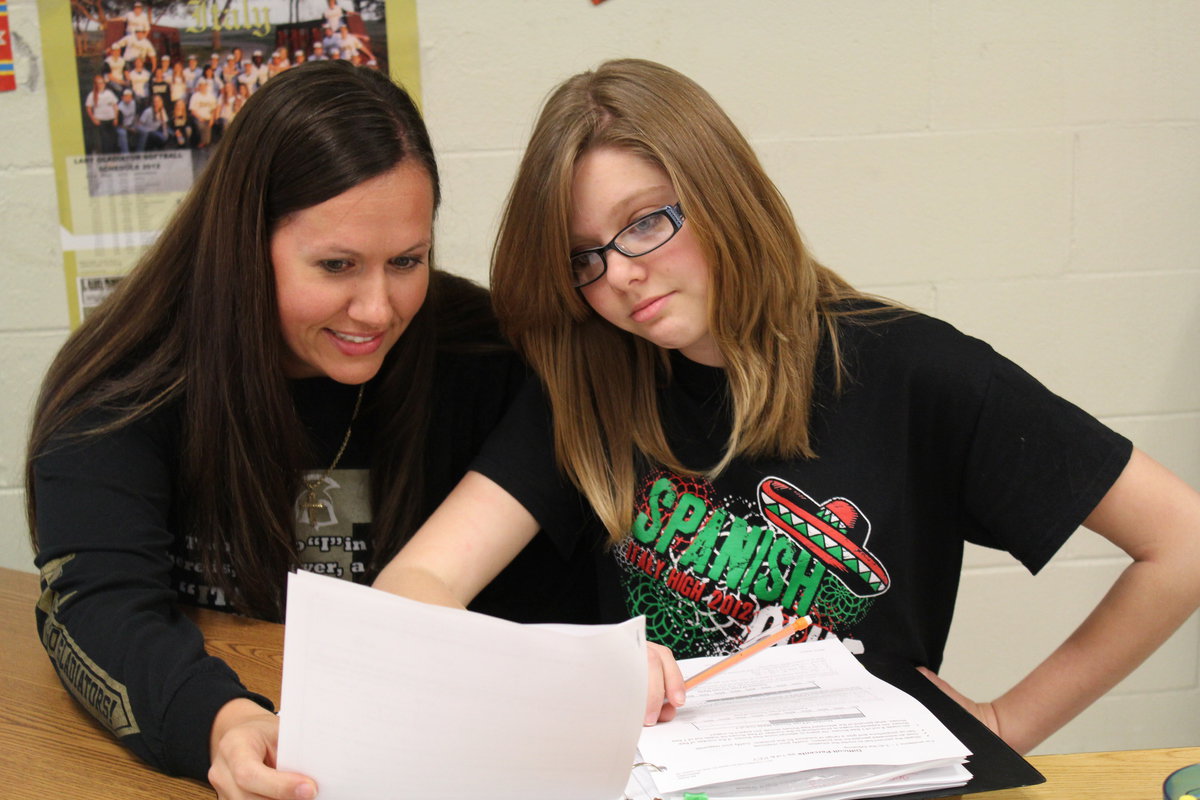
x: 140, y: 91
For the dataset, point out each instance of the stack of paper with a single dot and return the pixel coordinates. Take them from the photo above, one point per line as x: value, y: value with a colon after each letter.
x: 384, y: 697
x: 802, y: 721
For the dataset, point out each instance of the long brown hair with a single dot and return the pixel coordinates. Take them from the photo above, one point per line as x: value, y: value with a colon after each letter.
x: 196, y: 322
x: 772, y: 303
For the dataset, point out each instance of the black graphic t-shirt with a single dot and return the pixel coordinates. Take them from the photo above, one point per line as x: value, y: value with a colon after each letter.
x: 934, y: 441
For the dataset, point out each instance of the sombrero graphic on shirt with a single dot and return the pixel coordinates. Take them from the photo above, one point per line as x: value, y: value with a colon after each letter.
x: 835, y: 532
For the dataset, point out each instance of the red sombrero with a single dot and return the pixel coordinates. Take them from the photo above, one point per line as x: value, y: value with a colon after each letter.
x: 835, y: 532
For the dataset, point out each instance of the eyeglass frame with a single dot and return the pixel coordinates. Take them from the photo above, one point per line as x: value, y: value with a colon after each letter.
x: 674, y: 215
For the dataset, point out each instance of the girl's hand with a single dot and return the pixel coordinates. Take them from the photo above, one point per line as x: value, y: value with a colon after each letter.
x: 984, y: 712
x: 664, y: 687
x: 244, y: 740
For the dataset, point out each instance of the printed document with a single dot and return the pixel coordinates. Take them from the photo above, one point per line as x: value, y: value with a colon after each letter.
x: 803, y: 720
x: 384, y: 697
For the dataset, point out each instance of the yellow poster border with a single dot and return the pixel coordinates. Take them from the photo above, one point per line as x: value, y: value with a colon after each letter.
x: 66, y: 115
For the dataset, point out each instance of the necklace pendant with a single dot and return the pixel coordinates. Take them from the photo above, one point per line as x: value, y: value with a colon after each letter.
x: 310, y: 505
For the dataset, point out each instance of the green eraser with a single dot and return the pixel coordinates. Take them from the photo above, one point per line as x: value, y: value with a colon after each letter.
x: 695, y: 796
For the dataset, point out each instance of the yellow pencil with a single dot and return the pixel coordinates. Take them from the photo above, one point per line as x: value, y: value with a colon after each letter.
x: 795, y: 626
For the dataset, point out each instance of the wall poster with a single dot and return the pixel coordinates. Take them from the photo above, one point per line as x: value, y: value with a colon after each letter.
x: 140, y: 90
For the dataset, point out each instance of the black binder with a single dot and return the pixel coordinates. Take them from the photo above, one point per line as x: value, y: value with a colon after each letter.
x: 993, y: 764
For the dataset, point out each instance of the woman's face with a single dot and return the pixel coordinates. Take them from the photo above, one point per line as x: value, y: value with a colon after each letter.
x: 350, y: 274
x: 661, y: 296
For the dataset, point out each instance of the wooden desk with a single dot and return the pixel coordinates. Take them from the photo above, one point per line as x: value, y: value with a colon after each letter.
x: 1118, y: 775
x: 50, y: 748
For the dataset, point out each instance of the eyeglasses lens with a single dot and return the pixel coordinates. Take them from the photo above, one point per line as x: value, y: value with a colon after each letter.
x: 645, y: 234
x: 587, y: 267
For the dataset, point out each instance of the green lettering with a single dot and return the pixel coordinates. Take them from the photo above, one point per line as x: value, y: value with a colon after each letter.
x: 686, y: 518
x: 760, y: 553
x: 769, y: 586
x: 736, y: 552
x: 698, y: 552
x: 662, y: 495
x: 806, y: 574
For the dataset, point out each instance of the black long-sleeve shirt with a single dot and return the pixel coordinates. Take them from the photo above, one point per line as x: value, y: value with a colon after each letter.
x: 116, y: 568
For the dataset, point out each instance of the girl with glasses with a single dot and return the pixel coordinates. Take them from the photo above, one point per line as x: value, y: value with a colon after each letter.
x: 740, y: 437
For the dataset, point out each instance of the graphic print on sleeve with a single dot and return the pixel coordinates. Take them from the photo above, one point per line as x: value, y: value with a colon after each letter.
x: 712, y: 573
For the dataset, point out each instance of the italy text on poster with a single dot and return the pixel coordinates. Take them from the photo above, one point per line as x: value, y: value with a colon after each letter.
x: 140, y: 91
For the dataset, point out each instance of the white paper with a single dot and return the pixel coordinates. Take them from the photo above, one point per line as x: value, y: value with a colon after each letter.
x: 384, y: 697
x: 829, y: 783
x: 792, y: 709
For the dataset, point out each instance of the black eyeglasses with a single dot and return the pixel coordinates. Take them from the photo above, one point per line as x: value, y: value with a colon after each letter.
x: 643, y: 235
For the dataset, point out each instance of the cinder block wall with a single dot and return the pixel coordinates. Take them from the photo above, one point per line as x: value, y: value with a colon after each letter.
x: 1029, y: 171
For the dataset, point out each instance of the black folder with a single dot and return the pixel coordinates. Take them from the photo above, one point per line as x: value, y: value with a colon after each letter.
x: 993, y: 764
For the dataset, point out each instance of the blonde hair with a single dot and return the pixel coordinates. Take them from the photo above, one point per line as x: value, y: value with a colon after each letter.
x: 771, y: 307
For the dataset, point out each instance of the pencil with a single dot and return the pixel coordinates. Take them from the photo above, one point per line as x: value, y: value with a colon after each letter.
x: 795, y: 626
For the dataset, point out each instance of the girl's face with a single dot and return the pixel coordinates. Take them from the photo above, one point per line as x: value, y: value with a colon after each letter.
x: 350, y: 274
x: 661, y: 296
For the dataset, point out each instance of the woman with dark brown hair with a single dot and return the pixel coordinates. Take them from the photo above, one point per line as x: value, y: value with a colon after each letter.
x: 284, y: 381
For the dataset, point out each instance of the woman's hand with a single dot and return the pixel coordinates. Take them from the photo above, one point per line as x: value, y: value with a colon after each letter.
x: 984, y: 712
x: 664, y: 686
x: 244, y: 740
